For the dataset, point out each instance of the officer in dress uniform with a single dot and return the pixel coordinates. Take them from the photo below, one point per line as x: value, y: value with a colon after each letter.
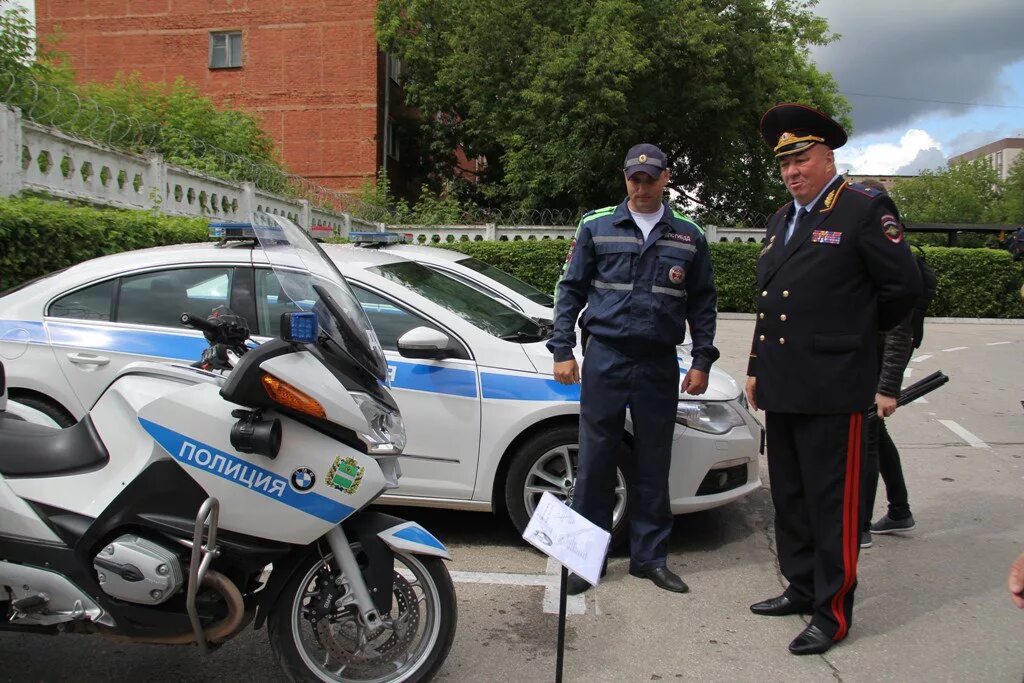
x: 834, y: 271
x: 643, y: 271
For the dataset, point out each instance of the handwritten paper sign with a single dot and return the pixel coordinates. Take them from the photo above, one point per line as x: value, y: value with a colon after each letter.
x: 562, y: 533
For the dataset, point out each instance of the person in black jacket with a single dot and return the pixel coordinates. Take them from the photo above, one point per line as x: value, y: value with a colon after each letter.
x: 881, y: 455
x: 834, y: 271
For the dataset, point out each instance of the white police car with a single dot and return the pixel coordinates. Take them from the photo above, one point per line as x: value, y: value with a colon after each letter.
x: 488, y: 428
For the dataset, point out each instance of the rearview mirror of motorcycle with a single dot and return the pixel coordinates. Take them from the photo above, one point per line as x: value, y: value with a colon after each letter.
x: 299, y: 327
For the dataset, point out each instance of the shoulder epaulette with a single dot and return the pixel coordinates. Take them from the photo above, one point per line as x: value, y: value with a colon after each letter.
x: 864, y: 189
x: 682, y: 217
x: 597, y: 213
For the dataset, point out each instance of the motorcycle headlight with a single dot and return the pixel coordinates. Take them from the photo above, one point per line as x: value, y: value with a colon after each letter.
x: 711, y: 417
x: 387, y: 431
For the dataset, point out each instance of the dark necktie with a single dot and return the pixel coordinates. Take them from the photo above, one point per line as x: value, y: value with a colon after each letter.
x: 796, y: 224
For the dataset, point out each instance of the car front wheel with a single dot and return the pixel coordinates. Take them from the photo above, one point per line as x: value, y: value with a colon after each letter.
x: 548, y: 462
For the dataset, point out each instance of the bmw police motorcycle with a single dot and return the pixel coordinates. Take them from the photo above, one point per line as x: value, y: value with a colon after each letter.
x: 189, y: 502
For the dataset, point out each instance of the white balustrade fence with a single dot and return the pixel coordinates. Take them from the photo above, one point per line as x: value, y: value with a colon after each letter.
x: 442, y: 234
x: 43, y: 159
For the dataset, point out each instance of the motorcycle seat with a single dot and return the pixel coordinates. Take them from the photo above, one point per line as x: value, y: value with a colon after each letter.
x: 31, y: 450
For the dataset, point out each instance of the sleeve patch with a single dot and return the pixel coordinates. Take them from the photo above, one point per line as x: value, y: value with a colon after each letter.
x: 892, y: 228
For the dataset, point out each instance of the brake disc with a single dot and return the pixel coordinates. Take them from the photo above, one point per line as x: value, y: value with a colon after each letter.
x: 346, y: 639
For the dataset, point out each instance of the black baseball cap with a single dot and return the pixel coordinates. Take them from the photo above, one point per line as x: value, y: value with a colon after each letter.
x: 644, y: 158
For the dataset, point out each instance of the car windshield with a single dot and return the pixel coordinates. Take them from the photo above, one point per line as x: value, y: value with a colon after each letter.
x: 510, y: 281
x: 472, y: 306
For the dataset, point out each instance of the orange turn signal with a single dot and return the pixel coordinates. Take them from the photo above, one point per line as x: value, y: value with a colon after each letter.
x: 288, y: 396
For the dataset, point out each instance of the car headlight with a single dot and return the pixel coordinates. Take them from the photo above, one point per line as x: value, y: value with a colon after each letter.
x: 711, y: 417
x: 387, y: 431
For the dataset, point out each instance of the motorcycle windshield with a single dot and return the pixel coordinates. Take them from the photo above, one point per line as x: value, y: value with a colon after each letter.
x: 312, y: 282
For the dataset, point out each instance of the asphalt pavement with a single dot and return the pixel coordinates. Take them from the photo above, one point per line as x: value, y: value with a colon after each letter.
x: 931, y: 605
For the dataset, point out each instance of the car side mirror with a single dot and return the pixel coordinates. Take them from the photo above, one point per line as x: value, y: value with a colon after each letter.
x: 424, y: 342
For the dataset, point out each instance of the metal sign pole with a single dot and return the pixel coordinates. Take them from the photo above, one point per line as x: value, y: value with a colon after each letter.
x: 561, y: 624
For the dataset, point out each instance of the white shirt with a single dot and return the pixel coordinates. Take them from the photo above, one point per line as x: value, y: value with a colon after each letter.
x: 647, y: 221
x: 797, y: 206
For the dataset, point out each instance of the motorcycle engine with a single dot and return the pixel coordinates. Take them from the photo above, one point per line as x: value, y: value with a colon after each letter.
x: 134, y: 569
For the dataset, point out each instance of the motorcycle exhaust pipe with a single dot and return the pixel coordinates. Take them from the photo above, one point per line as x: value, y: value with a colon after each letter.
x: 219, y: 632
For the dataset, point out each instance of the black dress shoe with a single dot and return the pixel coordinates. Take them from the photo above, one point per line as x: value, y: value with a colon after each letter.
x: 811, y: 641
x: 575, y: 585
x: 663, y: 577
x: 780, y: 607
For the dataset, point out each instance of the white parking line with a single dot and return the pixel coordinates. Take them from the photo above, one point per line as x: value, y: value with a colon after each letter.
x: 575, y: 604
x: 955, y: 348
x: 997, y: 343
x: 918, y: 359
x: 963, y: 434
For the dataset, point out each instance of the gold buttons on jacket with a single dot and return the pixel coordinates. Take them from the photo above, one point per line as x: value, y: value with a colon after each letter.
x: 764, y: 292
x: 761, y: 316
x: 785, y: 292
x: 782, y: 340
x: 761, y: 337
x: 782, y: 317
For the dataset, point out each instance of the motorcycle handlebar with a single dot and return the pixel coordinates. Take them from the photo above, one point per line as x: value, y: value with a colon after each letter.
x: 197, y: 323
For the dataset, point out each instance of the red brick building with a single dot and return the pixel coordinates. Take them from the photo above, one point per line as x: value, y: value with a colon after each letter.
x: 310, y: 68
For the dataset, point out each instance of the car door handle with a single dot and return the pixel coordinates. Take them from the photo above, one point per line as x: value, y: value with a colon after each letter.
x: 87, y: 359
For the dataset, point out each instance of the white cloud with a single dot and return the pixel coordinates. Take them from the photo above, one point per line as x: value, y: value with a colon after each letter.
x: 885, y: 157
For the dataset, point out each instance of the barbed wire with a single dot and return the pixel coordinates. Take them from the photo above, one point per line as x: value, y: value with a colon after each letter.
x: 55, y: 106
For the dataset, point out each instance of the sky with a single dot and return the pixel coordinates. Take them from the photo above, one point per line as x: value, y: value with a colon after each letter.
x: 927, y: 79
x: 903, y: 64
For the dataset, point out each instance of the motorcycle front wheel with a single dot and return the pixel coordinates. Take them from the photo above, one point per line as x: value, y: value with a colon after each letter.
x: 333, y: 645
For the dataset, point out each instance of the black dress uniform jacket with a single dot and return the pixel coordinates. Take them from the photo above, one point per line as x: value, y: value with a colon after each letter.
x: 845, y: 274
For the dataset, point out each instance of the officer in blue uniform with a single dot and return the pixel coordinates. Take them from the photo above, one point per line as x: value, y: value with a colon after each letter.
x: 643, y: 271
x: 834, y: 272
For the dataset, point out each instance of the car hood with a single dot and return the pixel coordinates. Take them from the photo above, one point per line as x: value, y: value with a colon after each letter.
x: 721, y: 385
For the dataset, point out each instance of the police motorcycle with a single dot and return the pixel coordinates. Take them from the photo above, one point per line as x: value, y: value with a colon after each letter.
x: 189, y: 503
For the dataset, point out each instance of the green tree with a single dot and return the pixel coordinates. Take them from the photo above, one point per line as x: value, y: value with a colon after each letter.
x: 552, y: 94
x: 962, y: 193
x: 1011, y: 209
x: 177, y: 121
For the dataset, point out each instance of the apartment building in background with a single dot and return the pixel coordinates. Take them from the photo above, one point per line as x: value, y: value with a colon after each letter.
x: 886, y: 180
x: 1001, y: 155
x: 311, y: 70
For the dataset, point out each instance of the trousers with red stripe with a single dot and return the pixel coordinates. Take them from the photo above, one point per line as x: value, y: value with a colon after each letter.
x: 814, y: 462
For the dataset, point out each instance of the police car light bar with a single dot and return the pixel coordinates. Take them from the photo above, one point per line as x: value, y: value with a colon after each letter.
x: 232, y: 231
x: 378, y: 238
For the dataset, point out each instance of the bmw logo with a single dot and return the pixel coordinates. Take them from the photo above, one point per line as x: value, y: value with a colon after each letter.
x: 303, y: 479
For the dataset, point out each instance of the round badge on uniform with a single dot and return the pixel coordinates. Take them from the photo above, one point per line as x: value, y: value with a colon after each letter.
x: 676, y: 274
x: 303, y: 479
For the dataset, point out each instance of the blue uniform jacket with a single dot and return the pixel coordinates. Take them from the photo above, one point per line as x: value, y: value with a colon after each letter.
x: 637, y: 291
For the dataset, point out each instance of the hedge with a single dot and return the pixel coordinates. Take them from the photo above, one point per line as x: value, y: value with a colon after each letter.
x: 38, y: 236
x: 973, y: 283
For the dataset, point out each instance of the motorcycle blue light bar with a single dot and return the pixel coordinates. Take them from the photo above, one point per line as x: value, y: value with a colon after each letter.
x: 378, y: 237
x: 299, y: 327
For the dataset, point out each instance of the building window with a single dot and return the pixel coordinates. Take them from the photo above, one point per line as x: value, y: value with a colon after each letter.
x: 392, y: 145
x: 225, y: 49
